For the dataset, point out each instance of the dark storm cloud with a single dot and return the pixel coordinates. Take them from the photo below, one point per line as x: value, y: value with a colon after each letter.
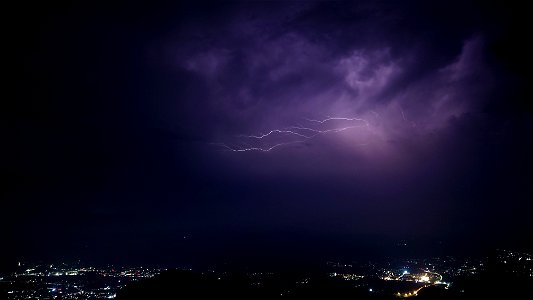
x: 127, y: 114
x: 414, y: 74
x: 303, y: 65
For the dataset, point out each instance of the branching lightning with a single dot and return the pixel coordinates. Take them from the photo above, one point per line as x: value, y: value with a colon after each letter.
x: 234, y: 149
x: 272, y: 132
x: 317, y: 132
x: 337, y: 119
x: 413, y: 124
x: 302, y: 133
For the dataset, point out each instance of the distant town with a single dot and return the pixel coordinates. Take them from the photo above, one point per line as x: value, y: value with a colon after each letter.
x: 70, y: 281
x: 402, y: 278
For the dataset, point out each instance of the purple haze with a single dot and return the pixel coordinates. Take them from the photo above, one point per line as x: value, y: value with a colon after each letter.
x: 259, y: 130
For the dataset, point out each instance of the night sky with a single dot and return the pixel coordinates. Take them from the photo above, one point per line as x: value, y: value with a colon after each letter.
x: 255, y: 133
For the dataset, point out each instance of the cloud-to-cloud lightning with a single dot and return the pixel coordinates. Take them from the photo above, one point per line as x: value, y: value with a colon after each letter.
x: 302, y: 133
x: 246, y: 149
x: 338, y: 119
x: 275, y: 131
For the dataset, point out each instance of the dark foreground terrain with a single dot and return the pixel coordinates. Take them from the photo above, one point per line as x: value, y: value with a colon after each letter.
x: 496, y: 282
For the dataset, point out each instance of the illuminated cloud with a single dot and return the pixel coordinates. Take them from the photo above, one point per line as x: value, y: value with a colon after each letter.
x: 279, y: 86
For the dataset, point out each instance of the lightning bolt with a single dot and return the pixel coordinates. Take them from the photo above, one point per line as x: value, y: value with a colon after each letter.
x: 303, y: 133
x: 403, y: 114
x: 272, y: 132
x: 317, y: 132
x: 256, y: 148
x: 413, y: 124
x: 337, y: 119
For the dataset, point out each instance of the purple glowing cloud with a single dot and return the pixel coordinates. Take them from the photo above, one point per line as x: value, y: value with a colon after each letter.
x: 296, y: 80
x: 255, y: 89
